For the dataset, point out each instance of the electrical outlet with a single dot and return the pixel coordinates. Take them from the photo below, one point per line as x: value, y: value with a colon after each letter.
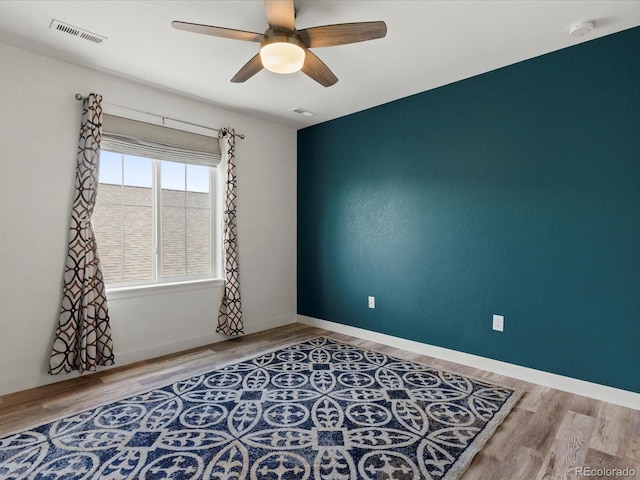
x: 498, y: 323
x: 372, y: 302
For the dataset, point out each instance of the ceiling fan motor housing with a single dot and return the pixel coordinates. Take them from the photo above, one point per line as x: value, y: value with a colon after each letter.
x: 282, y: 52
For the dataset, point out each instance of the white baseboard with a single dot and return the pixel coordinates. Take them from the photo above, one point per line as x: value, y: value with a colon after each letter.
x: 559, y: 382
x: 272, y: 323
x: 125, y: 358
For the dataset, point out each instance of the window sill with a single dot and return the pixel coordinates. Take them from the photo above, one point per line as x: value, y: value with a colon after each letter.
x: 117, y: 293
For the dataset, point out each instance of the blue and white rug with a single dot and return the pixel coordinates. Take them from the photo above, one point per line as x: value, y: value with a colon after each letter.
x: 315, y: 410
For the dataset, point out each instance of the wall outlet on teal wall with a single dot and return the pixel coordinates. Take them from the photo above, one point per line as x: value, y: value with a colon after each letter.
x: 498, y: 323
x: 372, y: 302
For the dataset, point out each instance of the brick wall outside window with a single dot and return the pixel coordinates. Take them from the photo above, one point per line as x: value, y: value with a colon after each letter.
x: 132, y: 228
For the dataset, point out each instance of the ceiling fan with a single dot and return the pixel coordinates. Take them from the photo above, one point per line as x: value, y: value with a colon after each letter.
x: 284, y: 49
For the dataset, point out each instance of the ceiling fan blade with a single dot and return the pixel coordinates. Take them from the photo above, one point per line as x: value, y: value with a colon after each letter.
x: 342, y: 34
x: 218, y: 31
x: 249, y: 69
x: 281, y: 14
x: 316, y: 69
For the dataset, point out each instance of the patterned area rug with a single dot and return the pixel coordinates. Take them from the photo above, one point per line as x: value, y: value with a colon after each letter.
x: 315, y: 410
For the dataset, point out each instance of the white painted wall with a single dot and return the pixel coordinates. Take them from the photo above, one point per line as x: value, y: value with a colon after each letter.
x: 39, y: 121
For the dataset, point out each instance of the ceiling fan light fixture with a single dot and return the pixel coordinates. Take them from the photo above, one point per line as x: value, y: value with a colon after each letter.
x: 284, y: 48
x: 282, y: 54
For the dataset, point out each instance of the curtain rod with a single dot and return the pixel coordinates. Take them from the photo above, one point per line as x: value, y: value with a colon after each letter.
x: 239, y: 135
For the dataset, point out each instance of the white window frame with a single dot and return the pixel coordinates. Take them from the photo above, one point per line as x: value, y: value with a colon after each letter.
x: 164, y: 285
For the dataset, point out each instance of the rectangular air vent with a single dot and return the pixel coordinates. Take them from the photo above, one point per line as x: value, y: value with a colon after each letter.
x: 303, y: 111
x: 76, y: 32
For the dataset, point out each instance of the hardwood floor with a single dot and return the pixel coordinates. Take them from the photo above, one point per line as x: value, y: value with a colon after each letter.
x: 545, y: 437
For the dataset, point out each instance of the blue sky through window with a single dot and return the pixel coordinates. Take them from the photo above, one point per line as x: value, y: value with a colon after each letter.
x: 138, y: 171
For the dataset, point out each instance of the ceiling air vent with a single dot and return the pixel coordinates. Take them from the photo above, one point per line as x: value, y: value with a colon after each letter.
x: 303, y: 111
x: 76, y: 32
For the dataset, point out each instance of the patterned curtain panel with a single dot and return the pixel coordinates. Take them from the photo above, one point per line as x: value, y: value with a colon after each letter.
x: 230, y: 314
x: 83, y: 337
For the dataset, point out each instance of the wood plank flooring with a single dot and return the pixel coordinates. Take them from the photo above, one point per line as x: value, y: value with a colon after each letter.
x: 547, y: 435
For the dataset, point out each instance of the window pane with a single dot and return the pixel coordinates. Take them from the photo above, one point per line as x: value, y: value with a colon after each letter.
x: 173, y: 241
x: 110, y: 167
x: 138, y: 179
x: 124, y: 232
x: 198, y: 220
x: 173, y: 175
x: 141, y: 196
x: 198, y: 200
x: 137, y: 171
x: 198, y: 241
x: 197, y: 178
x: 198, y: 187
x: 110, y: 179
x: 173, y: 198
x: 138, y: 252
x: 107, y: 226
x: 108, y: 194
x: 173, y: 184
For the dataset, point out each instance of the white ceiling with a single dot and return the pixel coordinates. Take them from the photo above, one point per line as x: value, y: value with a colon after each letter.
x: 429, y: 43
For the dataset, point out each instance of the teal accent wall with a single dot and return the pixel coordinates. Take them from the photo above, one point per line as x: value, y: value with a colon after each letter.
x: 515, y: 192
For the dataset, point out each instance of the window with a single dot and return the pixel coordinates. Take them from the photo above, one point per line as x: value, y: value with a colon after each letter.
x: 155, y: 219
